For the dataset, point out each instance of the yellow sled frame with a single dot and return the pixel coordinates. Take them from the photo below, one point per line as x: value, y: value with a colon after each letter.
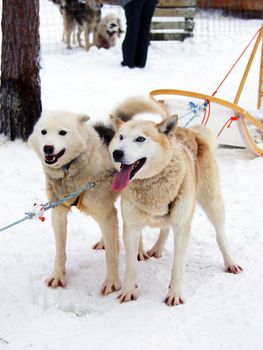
x: 243, y: 115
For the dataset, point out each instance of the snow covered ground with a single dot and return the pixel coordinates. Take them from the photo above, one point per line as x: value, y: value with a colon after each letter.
x: 222, y: 311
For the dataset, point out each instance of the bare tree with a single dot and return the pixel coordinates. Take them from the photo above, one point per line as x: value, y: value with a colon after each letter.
x: 20, y: 93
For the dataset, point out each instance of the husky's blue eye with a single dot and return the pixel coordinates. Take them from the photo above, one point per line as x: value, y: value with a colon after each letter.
x: 140, y: 139
x: 121, y: 137
x: 62, y: 133
x: 43, y: 132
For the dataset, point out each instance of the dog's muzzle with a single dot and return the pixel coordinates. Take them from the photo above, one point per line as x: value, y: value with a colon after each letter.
x: 118, y: 155
x: 49, y: 156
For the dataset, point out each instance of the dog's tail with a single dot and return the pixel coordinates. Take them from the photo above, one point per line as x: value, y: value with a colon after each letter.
x: 207, y: 134
x: 132, y: 106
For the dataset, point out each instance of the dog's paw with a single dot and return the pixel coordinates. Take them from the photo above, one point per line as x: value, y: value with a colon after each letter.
x: 109, y: 287
x: 233, y: 268
x: 173, y: 299
x: 142, y: 255
x: 154, y: 252
x: 99, y: 245
x: 128, y: 296
x: 55, y: 282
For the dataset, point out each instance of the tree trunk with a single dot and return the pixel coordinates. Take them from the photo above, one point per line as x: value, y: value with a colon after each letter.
x: 20, y: 93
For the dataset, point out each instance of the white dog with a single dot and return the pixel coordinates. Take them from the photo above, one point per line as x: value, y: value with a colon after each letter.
x: 73, y: 153
x: 163, y: 172
x: 109, y: 30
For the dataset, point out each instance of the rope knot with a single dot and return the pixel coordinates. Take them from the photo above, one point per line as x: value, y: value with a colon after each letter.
x: 228, y: 123
x: 37, y: 212
x: 231, y: 120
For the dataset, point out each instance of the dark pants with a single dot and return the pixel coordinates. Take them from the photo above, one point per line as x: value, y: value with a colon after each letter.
x: 135, y: 45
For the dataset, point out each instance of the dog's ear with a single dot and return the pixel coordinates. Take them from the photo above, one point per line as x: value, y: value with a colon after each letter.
x: 83, y: 118
x: 116, y: 122
x: 168, y: 126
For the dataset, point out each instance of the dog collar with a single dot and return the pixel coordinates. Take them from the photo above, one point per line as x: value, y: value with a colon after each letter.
x: 67, y: 166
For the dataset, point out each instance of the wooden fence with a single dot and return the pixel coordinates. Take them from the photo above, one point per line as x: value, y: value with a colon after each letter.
x: 173, y: 20
x: 251, y: 5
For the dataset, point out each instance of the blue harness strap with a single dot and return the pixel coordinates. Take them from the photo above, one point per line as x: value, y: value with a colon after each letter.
x: 195, y: 111
x: 47, y: 206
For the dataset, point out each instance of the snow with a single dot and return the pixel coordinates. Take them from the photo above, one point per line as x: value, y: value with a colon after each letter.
x: 222, y: 311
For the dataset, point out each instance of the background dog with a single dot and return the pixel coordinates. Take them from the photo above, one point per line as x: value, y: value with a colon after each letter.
x: 61, y: 5
x: 109, y: 30
x: 83, y: 15
x: 163, y: 171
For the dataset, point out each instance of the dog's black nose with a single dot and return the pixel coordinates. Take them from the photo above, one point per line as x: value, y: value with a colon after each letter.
x: 48, y: 149
x: 118, y: 155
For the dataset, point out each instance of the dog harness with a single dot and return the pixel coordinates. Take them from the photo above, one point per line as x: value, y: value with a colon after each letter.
x: 77, y: 202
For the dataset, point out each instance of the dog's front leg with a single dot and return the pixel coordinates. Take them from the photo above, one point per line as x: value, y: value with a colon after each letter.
x: 94, y: 33
x: 131, y: 236
x: 86, y: 35
x: 59, y: 223
x: 74, y: 35
x: 79, y: 36
x: 108, y: 223
x: 68, y: 38
x: 181, y: 239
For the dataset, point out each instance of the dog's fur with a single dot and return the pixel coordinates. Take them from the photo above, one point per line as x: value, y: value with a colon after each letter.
x: 83, y: 15
x: 61, y: 4
x: 179, y: 170
x: 109, y: 30
x: 126, y: 110
x: 85, y: 157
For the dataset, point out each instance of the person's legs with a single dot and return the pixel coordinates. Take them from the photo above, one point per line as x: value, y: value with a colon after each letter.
x: 144, y: 32
x: 132, y: 13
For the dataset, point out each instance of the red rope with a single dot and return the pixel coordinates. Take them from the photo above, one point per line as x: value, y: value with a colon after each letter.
x: 204, y: 117
x: 230, y: 70
x: 228, y: 124
x: 208, y: 114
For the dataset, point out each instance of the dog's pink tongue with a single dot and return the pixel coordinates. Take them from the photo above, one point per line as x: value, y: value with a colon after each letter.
x: 122, y: 178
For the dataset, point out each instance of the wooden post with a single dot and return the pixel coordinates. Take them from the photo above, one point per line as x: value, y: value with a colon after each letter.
x: 251, y: 58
